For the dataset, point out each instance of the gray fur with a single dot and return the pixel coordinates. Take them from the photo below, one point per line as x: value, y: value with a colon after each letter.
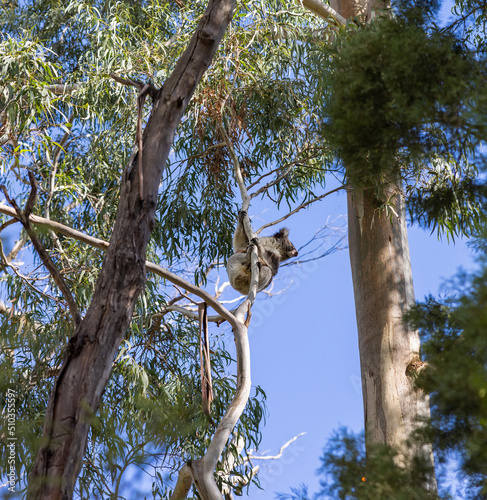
x: 272, y: 250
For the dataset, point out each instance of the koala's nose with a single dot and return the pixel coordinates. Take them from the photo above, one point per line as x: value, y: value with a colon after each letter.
x: 294, y: 253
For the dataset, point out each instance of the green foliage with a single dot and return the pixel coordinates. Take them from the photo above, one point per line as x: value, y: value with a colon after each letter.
x: 65, y: 119
x: 398, y: 100
x: 347, y: 473
x: 455, y: 347
x: 390, y: 109
x: 448, y: 198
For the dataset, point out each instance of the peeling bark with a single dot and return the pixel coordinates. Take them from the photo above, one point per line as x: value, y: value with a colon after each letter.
x: 90, y: 352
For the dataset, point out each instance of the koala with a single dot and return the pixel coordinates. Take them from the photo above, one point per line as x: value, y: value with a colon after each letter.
x: 272, y: 250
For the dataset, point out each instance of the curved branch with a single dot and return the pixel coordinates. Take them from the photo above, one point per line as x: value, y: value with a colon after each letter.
x: 324, y: 11
x: 279, y: 455
x: 189, y: 314
x: 150, y: 266
x: 24, y: 216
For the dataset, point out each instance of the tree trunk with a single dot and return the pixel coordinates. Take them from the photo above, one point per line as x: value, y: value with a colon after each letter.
x: 389, y: 350
x: 90, y: 353
x: 383, y: 290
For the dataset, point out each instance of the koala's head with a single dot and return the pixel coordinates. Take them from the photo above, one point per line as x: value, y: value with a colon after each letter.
x: 286, y: 248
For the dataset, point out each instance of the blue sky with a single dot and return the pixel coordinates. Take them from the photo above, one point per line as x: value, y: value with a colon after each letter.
x: 305, y: 350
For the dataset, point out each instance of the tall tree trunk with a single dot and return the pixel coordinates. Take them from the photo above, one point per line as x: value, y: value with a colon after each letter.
x: 90, y: 353
x: 383, y: 290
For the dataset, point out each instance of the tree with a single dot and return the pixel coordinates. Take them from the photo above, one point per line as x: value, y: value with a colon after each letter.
x: 389, y: 115
x: 68, y: 118
x: 71, y: 119
x: 392, y: 119
x: 383, y: 290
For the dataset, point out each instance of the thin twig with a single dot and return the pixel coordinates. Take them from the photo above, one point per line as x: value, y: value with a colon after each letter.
x: 127, y: 81
x: 25, y: 279
x: 15, y: 250
x: 297, y: 209
x: 272, y: 183
x: 279, y: 455
x: 189, y: 314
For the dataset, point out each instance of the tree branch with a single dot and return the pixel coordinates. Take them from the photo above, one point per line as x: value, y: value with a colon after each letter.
x: 183, y: 484
x: 186, y: 312
x: 224, y: 314
x: 279, y: 455
x: 14, y: 252
x: 324, y: 11
x: 236, y: 169
x: 297, y: 209
x: 45, y: 257
x: 127, y: 81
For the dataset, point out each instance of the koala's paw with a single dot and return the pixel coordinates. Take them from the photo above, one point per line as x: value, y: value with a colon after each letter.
x: 241, y: 215
x: 254, y: 241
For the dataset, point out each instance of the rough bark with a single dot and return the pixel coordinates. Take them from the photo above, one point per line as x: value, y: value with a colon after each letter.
x: 89, y: 355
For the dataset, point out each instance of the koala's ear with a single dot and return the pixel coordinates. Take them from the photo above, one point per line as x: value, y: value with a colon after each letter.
x: 282, y: 233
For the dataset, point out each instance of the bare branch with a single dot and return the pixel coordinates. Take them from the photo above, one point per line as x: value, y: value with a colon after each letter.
x: 5, y: 262
x: 297, y: 209
x: 57, y: 227
x: 127, y: 81
x: 189, y: 314
x: 279, y: 455
x: 13, y: 253
x: 237, y: 170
